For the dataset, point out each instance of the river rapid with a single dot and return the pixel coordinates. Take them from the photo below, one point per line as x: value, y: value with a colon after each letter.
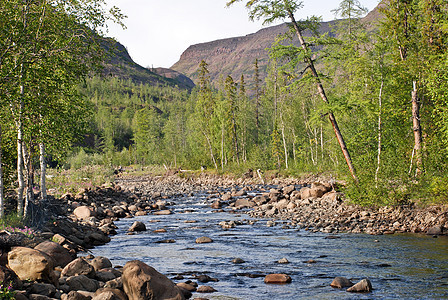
x: 400, y: 266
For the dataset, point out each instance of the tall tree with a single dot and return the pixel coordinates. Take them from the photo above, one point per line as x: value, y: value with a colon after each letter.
x: 273, y: 10
x: 43, y: 43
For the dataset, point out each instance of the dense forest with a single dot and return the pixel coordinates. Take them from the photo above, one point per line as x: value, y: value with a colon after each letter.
x: 369, y: 106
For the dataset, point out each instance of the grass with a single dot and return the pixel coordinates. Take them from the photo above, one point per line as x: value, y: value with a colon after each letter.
x: 60, y: 182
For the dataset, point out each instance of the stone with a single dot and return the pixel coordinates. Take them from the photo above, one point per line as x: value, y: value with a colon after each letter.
x: 205, y: 278
x: 137, y: 226
x: 205, y: 289
x: 187, y: 286
x: 277, y: 279
x: 238, y: 261
x: 283, y: 261
x: 109, y: 294
x: 364, y: 286
x: 38, y: 297
x: 105, y: 276
x: 341, y: 282
x: 74, y: 295
x: 141, y: 281
x: 82, y: 283
x: 163, y: 212
x: 244, y: 203
x: 141, y: 213
x: 32, y: 264
x: 203, y: 240
x: 100, y: 262
x: 61, y: 255
x: 83, y: 212
x: 79, y: 267
x: 288, y: 189
x: 436, y: 230
x: 45, y: 289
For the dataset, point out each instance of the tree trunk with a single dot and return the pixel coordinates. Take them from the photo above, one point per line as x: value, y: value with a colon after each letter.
x: 43, y: 173
x: 380, y: 104
x: 20, y: 178
x: 417, y: 130
x: 322, y: 94
x: 211, y: 150
x: 284, y: 145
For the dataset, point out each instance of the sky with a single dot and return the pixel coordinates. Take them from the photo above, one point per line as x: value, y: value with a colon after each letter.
x: 159, y: 31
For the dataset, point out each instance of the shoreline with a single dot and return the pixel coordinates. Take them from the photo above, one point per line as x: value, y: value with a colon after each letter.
x: 87, y: 219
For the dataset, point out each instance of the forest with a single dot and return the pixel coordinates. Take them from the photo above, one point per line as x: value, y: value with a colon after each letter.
x: 368, y: 106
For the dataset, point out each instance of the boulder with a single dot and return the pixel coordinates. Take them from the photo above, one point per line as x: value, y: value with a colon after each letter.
x: 44, y: 289
x: 163, y: 212
x: 141, y: 281
x: 288, y: 189
x: 243, y: 203
x: 74, y: 295
x: 109, y: 294
x: 137, y: 226
x: 364, y: 286
x: 82, y: 283
x: 203, y: 240
x: 31, y: 264
x: 277, y: 279
x: 205, y: 289
x: 79, y: 267
x: 341, y: 282
x: 83, y: 212
x: 436, y: 230
x: 105, y: 276
x: 187, y: 286
x: 100, y: 262
x: 60, y: 254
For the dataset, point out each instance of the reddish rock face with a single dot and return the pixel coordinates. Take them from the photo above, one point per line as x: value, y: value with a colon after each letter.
x: 141, y: 281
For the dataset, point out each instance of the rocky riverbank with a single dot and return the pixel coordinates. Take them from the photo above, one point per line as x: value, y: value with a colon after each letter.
x: 48, y: 266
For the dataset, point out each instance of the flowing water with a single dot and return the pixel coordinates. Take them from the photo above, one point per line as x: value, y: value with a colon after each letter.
x: 399, y: 266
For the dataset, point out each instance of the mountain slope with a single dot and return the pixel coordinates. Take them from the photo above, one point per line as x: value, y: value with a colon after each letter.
x: 236, y: 56
x: 119, y: 64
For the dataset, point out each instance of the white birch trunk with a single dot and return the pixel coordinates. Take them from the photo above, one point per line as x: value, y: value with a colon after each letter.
x: 43, y: 173
x: 380, y: 106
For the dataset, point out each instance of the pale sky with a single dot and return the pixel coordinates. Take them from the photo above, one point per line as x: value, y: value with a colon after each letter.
x: 159, y: 31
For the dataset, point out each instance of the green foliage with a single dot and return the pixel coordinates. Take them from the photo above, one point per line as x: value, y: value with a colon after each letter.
x: 12, y: 221
x: 6, y: 291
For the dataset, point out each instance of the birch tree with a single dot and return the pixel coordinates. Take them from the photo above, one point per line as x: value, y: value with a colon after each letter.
x: 273, y: 10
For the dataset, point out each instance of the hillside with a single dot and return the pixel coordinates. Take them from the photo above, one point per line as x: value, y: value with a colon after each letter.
x: 236, y: 56
x: 119, y: 64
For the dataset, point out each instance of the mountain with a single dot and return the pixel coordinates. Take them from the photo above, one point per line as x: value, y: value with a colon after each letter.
x: 120, y: 64
x: 236, y: 56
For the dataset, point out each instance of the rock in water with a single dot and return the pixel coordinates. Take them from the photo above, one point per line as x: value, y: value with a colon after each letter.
x: 364, y: 286
x: 277, y: 279
x: 203, y: 240
x: 341, y: 282
x: 141, y: 281
x: 137, y: 226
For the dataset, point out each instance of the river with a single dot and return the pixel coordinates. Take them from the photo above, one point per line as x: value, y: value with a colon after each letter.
x: 400, y: 266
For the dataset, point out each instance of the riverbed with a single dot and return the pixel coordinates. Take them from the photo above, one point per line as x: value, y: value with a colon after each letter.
x: 400, y: 266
